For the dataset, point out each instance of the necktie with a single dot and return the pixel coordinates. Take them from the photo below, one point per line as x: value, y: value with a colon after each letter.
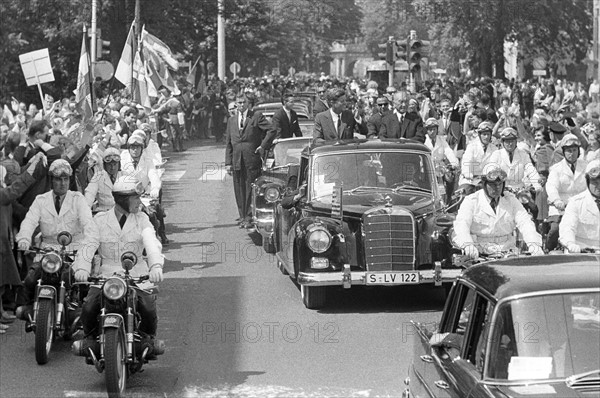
x: 485, y: 148
x: 339, y: 125
x: 122, y: 220
x: 401, y: 119
x: 241, y: 121
x: 510, y: 156
x: 573, y: 167
x: 57, y: 204
x: 493, y: 204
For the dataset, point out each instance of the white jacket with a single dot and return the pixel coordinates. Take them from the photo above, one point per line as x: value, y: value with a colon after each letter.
x: 473, y: 160
x: 521, y: 172
x: 106, y: 236
x: 476, y: 223
x: 440, y: 152
x: 145, y: 171
x: 580, y: 223
x: 75, y: 216
x: 563, y: 184
x: 100, y: 189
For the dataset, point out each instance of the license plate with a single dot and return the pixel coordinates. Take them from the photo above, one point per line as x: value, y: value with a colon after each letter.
x: 393, y: 278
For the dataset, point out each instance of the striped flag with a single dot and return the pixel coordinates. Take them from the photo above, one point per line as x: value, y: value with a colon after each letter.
x: 124, y: 72
x: 139, y: 90
x: 83, y: 92
x: 159, y: 58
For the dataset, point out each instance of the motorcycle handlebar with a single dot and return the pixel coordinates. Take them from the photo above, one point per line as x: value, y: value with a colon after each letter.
x: 100, y: 279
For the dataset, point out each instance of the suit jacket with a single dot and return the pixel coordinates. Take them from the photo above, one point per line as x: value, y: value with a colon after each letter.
x: 241, y: 144
x: 412, y: 127
x: 374, y: 125
x: 282, y: 127
x: 324, y: 129
x: 320, y: 106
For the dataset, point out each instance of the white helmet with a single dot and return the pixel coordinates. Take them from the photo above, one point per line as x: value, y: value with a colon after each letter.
x: 60, y: 167
x: 127, y: 186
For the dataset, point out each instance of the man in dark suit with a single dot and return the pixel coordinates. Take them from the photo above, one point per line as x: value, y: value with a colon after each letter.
x: 337, y: 123
x: 402, y: 124
x: 284, y: 122
x: 321, y: 104
x: 374, y: 122
x: 245, y: 132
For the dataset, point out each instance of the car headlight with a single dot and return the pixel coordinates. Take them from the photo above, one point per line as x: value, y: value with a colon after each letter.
x: 51, y: 263
x: 271, y: 194
x: 319, y: 239
x: 114, y: 288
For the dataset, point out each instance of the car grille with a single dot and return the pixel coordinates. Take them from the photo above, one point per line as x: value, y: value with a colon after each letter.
x: 389, y: 242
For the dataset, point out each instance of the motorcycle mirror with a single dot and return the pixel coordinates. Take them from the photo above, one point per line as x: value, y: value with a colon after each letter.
x: 128, y: 260
x: 64, y: 238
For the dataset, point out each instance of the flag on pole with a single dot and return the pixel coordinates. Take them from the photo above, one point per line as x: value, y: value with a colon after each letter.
x: 159, y: 58
x: 193, y: 75
x: 139, y: 91
x: 125, y: 66
x: 83, y: 92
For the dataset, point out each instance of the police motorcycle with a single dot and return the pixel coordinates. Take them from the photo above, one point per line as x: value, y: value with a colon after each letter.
x: 58, y: 299
x: 120, y: 349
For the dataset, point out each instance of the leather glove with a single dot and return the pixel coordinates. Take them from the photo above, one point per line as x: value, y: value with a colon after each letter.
x: 536, y: 250
x: 573, y: 248
x: 81, y: 275
x: 471, y: 251
x: 23, y: 244
x: 156, y: 274
x: 154, y: 193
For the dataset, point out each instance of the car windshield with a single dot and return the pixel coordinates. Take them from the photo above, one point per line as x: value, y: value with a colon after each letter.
x: 362, y: 171
x: 289, y: 151
x: 546, y: 337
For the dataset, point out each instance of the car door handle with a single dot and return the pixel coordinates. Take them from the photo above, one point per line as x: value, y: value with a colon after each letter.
x: 426, y: 358
x: 442, y: 384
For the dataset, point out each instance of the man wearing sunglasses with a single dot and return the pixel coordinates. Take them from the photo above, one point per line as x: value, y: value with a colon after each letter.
x: 487, y: 219
x: 321, y: 104
x: 98, y: 193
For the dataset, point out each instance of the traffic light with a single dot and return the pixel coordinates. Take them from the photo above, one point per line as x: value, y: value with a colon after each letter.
x: 389, y: 52
x: 102, y: 49
x: 419, y: 49
x: 402, y: 50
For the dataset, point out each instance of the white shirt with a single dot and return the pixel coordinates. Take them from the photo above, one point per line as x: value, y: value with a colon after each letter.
x: 439, y: 152
x: 288, y: 114
x: 242, y: 118
x: 335, y: 118
x: 473, y: 160
x: 145, y: 171
x: 399, y: 115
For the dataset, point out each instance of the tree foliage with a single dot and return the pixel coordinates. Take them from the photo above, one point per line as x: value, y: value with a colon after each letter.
x: 557, y: 30
x: 260, y: 34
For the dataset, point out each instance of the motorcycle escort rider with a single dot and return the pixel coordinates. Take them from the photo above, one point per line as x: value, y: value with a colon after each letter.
x: 476, y: 155
x: 98, y: 193
x: 55, y: 211
x: 565, y: 180
x: 120, y: 229
x: 579, y: 227
x: 515, y: 162
x: 444, y: 159
x: 486, y: 219
x: 142, y: 168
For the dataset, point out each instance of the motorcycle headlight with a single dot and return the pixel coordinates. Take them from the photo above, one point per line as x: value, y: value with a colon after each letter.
x: 271, y: 194
x: 51, y: 263
x: 114, y: 288
x: 319, y: 239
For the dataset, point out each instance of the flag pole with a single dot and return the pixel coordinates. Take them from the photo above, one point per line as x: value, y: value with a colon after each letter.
x: 90, y: 72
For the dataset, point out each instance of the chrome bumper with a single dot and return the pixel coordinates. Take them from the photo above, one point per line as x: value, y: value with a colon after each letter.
x: 347, y: 278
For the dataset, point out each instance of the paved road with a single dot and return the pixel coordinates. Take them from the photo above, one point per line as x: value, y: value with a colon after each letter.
x: 232, y: 323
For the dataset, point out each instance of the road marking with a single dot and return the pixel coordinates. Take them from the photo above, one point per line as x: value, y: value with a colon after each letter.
x: 174, y: 175
x: 268, y: 391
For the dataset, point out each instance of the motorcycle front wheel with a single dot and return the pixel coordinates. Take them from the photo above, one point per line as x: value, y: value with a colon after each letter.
x: 44, y: 331
x: 115, y: 359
